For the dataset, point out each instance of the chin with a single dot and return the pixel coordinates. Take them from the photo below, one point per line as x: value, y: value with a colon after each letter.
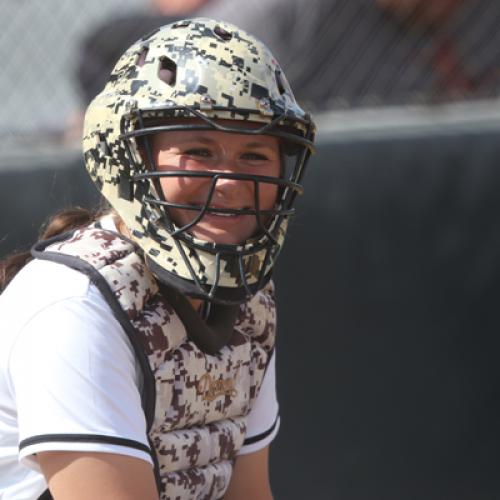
x: 221, y: 239
x: 223, y: 236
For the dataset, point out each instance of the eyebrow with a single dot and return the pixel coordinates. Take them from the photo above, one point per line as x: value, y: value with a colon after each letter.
x: 259, y: 145
x: 207, y: 140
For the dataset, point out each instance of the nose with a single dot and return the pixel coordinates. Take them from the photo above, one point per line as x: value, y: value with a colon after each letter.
x: 224, y: 162
x: 229, y: 191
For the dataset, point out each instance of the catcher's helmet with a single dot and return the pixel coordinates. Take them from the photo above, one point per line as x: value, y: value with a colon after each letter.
x: 214, y: 73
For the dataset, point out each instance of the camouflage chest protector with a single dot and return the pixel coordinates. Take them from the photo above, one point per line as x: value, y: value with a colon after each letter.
x: 195, y: 403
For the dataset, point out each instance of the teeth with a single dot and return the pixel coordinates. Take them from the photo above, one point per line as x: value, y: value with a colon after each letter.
x: 223, y: 214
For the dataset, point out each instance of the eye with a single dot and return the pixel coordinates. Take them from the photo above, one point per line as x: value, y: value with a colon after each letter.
x: 254, y: 156
x: 198, y: 152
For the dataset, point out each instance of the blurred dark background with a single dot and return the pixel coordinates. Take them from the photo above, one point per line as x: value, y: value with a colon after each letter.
x: 388, y: 293
x: 388, y: 346
x: 388, y: 349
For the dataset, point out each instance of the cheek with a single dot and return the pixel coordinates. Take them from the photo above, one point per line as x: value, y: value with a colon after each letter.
x: 268, y: 194
x: 176, y: 189
x: 170, y: 188
x: 184, y: 189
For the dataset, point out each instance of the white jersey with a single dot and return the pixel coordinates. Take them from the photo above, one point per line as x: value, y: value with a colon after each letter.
x: 67, y: 370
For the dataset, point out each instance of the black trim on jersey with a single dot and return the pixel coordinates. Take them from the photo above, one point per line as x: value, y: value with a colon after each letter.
x: 148, y: 393
x: 83, y: 438
x: 46, y: 495
x: 263, y: 435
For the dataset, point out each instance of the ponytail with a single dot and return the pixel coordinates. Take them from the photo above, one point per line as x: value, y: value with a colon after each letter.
x: 65, y: 220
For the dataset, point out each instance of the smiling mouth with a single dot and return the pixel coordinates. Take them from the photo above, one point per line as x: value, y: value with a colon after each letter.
x: 219, y: 211
x: 220, y: 214
x: 227, y: 214
x: 225, y: 217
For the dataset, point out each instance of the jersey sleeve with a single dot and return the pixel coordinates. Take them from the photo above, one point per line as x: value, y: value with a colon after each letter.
x: 263, y: 419
x: 74, y: 377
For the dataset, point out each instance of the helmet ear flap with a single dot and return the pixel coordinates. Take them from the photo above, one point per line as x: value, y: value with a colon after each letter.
x: 142, y: 143
x: 141, y: 151
x: 136, y: 149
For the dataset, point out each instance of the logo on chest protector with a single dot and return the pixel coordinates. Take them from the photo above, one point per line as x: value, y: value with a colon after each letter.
x: 211, y: 389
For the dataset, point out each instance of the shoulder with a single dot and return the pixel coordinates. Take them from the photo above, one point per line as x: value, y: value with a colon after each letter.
x: 55, y: 320
x: 58, y: 337
x: 51, y: 298
x: 40, y: 284
x: 95, y: 245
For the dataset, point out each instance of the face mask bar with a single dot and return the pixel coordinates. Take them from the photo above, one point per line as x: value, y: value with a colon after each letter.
x: 141, y: 118
x: 216, y: 292
x: 205, y: 208
x: 221, y: 251
x: 145, y: 116
x: 141, y: 124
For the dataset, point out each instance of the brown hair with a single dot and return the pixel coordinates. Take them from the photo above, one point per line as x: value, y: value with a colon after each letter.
x: 65, y: 220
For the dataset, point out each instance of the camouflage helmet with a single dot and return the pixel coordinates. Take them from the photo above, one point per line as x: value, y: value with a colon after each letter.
x: 207, y: 71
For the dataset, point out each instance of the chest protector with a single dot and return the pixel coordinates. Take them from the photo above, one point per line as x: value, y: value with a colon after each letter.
x: 196, y: 404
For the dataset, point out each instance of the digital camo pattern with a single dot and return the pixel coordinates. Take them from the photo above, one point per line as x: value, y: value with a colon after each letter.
x: 201, y: 400
x: 216, y: 65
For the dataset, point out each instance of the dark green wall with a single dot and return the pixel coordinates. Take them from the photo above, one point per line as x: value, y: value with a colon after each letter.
x: 388, y: 293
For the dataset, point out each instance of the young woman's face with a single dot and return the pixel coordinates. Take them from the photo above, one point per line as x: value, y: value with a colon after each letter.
x: 219, y: 152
